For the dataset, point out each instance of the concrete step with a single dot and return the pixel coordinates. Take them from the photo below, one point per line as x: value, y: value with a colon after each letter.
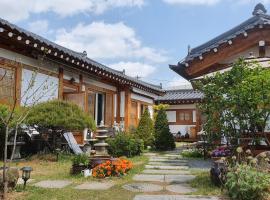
x: 160, y: 171
x: 163, y: 178
x: 174, y: 197
x: 166, y: 167
x: 168, y: 163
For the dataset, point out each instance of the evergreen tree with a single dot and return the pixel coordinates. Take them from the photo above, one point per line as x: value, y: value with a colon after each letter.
x: 163, y: 138
x: 145, y: 130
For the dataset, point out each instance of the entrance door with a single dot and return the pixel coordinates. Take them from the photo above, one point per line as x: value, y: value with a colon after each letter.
x: 100, y: 104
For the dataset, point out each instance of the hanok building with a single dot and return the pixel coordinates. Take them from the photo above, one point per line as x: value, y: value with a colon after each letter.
x: 108, y: 95
x: 249, y: 40
x: 183, y: 114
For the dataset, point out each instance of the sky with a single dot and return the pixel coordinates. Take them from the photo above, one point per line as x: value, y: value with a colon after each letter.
x: 141, y: 36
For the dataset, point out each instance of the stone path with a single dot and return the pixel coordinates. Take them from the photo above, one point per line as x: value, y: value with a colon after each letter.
x: 56, y: 184
x: 168, y: 173
x: 95, y: 186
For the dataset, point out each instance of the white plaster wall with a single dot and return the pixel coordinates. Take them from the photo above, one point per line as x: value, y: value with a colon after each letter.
x: 194, y: 116
x: 99, y: 84
x: 115, y: 105
x: 141, y: 98
x: 42, y: 64
x: 171, y: 116
x: 182, y: 128
x: 144, y: 93
x: 69, y: 74
x: 151, y: 111
x: 184, y: 106
x: 44, y: 87
x: 122, y: 104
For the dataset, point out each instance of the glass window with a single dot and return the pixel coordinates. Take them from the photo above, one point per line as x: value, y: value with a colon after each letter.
x: 38, y: 87
x: 7, y: 84
x: 185, y: 116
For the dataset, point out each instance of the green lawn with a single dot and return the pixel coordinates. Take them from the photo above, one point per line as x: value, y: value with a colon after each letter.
x: 44, y: 170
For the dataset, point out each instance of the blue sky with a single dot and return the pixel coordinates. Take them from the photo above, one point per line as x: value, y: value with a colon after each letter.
x: 142, y: 36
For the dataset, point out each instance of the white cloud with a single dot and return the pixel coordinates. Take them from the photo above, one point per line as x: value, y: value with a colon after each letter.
x: 108, y: 41
x: 15, y: 10
x: 192, y: 2
x: 134, y: 68
x: 178, y: 82
x: 39, y: 26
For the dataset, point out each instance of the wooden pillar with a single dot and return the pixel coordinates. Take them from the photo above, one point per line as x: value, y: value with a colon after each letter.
x: 18, y: 84
x: 198, y: 120
x: 118, y: 119
x: 127, y: 108
x: 61, y: 83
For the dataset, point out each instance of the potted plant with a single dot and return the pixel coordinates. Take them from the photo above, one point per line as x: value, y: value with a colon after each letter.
x: 79, y: 163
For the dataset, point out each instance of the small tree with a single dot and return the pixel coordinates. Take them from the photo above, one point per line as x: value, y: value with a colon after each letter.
x: 236, y: 102
x: 163, y: 138
x: 145, y: 130
x: 60, y: 114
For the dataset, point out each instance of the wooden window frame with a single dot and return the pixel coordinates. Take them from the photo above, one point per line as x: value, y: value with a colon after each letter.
x: 183, y: 122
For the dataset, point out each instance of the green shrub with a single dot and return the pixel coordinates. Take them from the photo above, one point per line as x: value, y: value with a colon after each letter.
x: 80, y: 159
x: 125, y: 145
x: 192, y: 153
x: 60, y: 114
x: 163, y: 138
x: 145, y: 130
x: 247, y: 183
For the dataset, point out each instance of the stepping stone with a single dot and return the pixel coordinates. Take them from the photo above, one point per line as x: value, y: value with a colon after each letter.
x: 21, y: 181
x: 178, y: 178
x: 165, y: 167
x: 142, y: 187
x: 169, y: 163
x: 173, y: 197
x: 160, y: 171
x: 95, y: 186
x: 53, y: 184
x: 149, y: 177
x: 149, y: 154
x: 180, y: 188
x: 166, y: 160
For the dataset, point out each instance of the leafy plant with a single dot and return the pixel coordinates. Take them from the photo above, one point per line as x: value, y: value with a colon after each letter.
x: 80, y: 159
x: 163, y: 138
x: 124, y: 145
x: 60, y: 114
x: 145, y: 130
x: 246, y: 183
x: 192, y: 153
x: 236, y: 102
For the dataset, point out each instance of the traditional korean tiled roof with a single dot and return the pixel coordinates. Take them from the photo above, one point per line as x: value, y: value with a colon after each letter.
x: 80, y: 58
x: 181, y: 96
x: 259, y: 19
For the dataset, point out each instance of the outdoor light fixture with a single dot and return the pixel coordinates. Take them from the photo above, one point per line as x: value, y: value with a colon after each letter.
x: 57, y: 151
x: 26, y: 172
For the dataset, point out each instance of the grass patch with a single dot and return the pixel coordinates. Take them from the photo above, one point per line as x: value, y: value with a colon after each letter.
x: 203, y: 183
x: 45, y: 169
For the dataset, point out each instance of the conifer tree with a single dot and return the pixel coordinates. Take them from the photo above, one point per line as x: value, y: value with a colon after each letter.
x: 145, y: 130
x: 163, y: 138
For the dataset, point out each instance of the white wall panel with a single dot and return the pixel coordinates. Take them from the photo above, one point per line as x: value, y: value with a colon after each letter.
x: 171, y: 116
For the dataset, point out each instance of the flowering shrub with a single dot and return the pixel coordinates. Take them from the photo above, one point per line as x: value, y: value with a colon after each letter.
x: 221, y: 152
x: 118, y: 167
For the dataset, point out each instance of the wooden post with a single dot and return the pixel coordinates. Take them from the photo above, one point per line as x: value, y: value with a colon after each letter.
x: 61, y: 83
x: 18, y: 84
x: 127, y: 108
